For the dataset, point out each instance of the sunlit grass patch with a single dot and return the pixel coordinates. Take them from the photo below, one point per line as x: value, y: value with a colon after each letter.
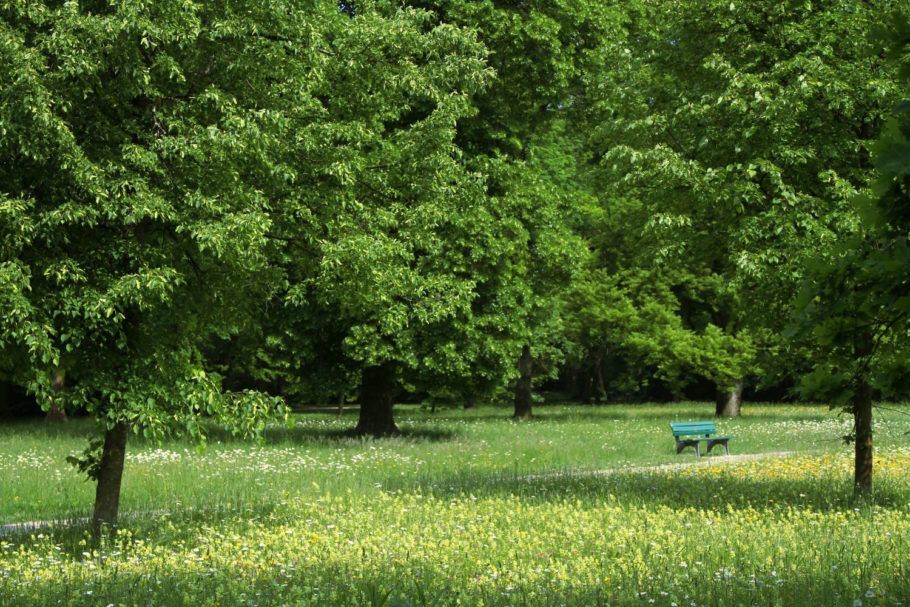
x: 469, y: 508
x: 599, y: 542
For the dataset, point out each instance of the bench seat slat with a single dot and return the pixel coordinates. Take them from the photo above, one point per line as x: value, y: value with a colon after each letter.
x: 705, y: 438
x: 691, y: 428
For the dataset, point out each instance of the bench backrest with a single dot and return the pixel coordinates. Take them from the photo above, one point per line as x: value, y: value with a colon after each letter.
x: 693, y: 428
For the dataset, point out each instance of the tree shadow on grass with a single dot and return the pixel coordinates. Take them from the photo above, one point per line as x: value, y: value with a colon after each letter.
x: 309, y: 435
x: 38, y: 428
x: 72, y: 533
x: 676, y: 490
x: 620, y: 412
x: 504, y: 416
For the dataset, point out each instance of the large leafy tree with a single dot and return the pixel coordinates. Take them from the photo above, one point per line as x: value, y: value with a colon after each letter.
x: 745, y: 128
x: 856, y: 304
x: 632, y: 335
x: 142, y: 153
x: 443, y: 254
x: 521, y: 137
x: 388, y: 236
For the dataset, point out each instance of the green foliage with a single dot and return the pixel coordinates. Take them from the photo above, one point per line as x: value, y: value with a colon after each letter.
x: 523, y: 137
x: 744, y: 131
x: 865, y: 289
x: 89, y: 461
x: 431, y: 234
x: 137, y: 173
x: 388, y: 233
x: 542, y: 52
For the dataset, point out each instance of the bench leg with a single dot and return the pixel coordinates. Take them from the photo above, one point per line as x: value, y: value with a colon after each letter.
x: 697, y: 451
x: 710, y: 444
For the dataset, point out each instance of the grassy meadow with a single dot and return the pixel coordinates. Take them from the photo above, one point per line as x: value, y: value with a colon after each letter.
x: 469, y: 508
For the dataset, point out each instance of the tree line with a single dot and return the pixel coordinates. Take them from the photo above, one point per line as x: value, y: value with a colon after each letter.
x: 209, y: 210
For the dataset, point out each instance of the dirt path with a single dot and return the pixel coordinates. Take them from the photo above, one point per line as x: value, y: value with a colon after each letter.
x: 38, y: 526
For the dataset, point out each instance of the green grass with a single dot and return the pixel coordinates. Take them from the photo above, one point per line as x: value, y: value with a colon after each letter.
x: 470, y: 508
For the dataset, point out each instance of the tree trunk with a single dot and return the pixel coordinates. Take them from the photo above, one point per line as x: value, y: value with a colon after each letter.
x: 586, y: 391
x: 110, y: 474
x: 862, y: 417
x: 378, y: 390
x: 599, y: 375
x: 523, y: 386
x: 729, y: 400
x: 56, y: 413
x: 6, y: 397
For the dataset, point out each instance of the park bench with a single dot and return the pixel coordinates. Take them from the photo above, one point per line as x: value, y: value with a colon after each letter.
x: 692, y: 434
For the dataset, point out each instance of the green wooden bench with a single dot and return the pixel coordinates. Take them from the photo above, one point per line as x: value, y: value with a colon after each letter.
x: 692, y: 434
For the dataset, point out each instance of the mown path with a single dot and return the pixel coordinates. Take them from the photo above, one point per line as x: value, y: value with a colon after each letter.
x: 703, y: 461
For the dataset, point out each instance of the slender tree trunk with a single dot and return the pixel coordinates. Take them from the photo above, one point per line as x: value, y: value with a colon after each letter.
x: 601, y: 384
x: 56, y: 413
x: 729, y: 400
x: 862, y: 417
x: 862, y: 395
x: 378, y: 390
x: 341, y: 404
x: 586, y: 391
x: 6, y: 396
x: 523, y: 387
x: 571, y: 381
x: 110, y: 474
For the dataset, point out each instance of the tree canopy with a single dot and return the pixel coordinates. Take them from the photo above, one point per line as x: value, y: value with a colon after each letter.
x: 214, y: 210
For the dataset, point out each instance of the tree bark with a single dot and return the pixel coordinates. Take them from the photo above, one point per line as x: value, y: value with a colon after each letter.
x: 729, y: 400
x: 586, y: 391
x: 56, y: 413
x: 862, y: 417
x: 110, y: 475
x: 6, y: 397
x: 523, y: 386
x: 599, y: 375
x: 378, y: 390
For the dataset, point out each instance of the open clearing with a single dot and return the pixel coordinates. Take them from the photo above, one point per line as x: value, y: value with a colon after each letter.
x: 470, y: 508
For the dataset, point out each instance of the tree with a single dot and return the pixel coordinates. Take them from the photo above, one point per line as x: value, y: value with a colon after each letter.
x: 745, y: 129
x: 856, y: 304
x: 521, y: 137
x: 445, y: 242
x: 143, y: 150
x: 386, y: 232
x: 633, y: 335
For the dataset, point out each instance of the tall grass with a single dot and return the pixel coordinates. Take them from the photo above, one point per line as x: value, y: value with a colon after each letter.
x: 316, y: 454
x: 469, y: 508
